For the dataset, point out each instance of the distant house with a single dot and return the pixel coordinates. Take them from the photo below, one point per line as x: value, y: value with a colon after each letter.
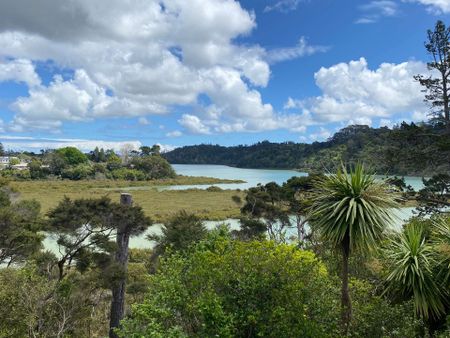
x: 4, y: 159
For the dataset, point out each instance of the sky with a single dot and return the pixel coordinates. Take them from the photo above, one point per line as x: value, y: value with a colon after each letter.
x: 174, y: 72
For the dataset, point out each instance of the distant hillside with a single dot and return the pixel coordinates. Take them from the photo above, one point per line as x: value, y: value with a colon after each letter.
x: 408, y: 149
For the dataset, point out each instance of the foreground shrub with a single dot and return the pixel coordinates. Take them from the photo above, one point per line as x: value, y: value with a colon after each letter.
x: 238, y: 289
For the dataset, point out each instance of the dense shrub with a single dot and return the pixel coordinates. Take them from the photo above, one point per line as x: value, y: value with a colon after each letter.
x: 79, y: 172
x: 72, y: 156
x: 16, y: 174
x: 154, y: 166
x: 238, y: 289
x: 128, y: 174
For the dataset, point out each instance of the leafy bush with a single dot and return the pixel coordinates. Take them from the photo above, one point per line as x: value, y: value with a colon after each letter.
x: 72, y: 156
x: 16, y: 174
x: 128, y: 174
x: 154, y: 166
x: 227, y: 288
x: 79, y: 172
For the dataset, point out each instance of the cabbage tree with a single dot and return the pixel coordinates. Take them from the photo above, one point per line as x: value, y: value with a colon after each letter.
x: 351, y: 211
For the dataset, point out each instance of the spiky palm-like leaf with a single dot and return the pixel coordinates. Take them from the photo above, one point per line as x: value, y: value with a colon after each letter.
x: 441, y: 240
x: 351, y: 211
x: 412, y: 260
x: 352, y: 204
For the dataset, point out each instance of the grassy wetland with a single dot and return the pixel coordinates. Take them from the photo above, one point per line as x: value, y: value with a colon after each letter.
x: 159, y: 205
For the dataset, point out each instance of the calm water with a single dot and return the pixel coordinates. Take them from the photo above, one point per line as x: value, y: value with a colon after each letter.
x: 141, y: 241
x: 252, y: 178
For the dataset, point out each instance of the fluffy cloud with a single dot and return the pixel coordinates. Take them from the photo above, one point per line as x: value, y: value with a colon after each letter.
x: 193, y: 124
x: 377, y: 9
x: 351, y: 92
x: 142, y: 57
x: 36, y: 144
x: 143, y: 121
x: 78, y: 99
x: 131, y: 58
x: 436, y: 6
x: 320, y: 135
x: 19, y: 70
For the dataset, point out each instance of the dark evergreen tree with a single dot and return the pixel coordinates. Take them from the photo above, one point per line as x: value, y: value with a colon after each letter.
x: 437, y: 88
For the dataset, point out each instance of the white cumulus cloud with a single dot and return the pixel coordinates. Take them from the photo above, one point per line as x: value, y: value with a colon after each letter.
x: 36, y: 144
x: 19, y: 70
x: 351, y: 92
x: 193, y: 124
x: 436, y: 6
x: 131, y: 58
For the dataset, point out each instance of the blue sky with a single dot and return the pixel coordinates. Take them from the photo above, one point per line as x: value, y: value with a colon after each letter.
x: 176, y: 73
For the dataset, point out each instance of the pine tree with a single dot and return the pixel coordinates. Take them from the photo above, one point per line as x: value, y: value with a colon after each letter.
x: 437, y: 87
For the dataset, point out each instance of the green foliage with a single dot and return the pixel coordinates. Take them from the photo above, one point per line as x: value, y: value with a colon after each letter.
x: 55, y: 162
x: 417, y: 267
x: 250, y: 229
x: 97, y: 155
x: 14, y: 161
x: 4, y: 199
x: 441, y: 242
x: 354, y: 205
x: 34, y: 305
x: 237, y: 289
x: 70, y: 163
x: 266, y: 203
x: 213, y: 188
x: 351, y: 211
x: 435, y: 87
x: 84, y: 230
x: 376, y: 317
x: 20, y: 294
x: 36, y: 170
x: 114, y: 162
x: 72, y: 156
x: 19, y: 231
x: 434, y: 197
x: 16, y: 174
x: 128, y: 174
x: 180, y: 232
x: 78, y: 172
x: 407, y: 149
x: 154, y: 166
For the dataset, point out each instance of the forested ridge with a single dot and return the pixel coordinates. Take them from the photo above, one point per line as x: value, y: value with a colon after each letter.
x: 407, y: 149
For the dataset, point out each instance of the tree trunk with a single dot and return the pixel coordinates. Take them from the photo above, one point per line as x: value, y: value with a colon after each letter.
x: 301, y: 231
x: 118, y: 288
x: 346, y: 303
x: 446, y: 101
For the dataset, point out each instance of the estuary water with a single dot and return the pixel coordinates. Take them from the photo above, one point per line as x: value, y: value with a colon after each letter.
x: 251, y: 177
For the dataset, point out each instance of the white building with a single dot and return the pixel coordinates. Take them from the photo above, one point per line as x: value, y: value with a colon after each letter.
x: 4, y: 159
